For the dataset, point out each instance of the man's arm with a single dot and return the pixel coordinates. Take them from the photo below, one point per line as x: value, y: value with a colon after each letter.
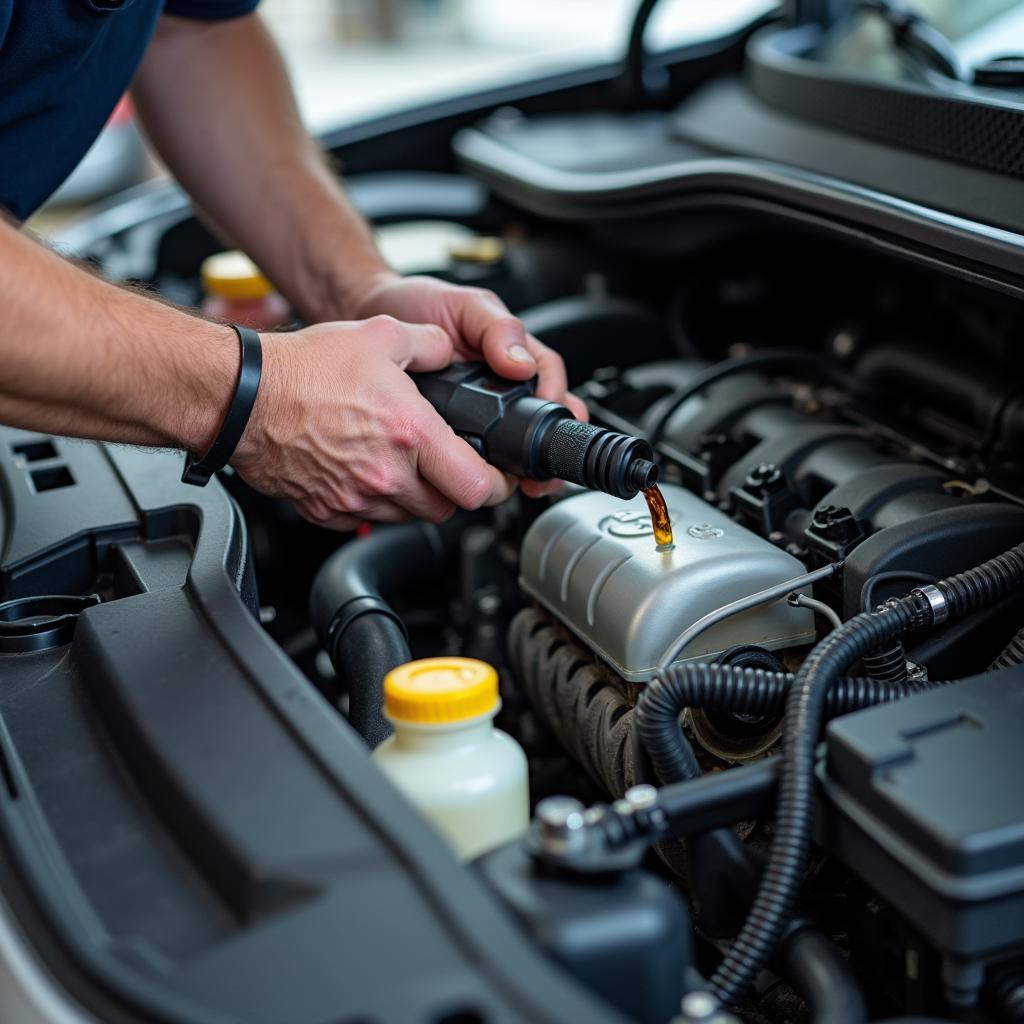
x: 338, y: 426
x: 216, y: 101
x: 79, y: 356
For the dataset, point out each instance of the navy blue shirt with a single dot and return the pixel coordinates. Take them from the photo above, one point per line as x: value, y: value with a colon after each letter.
x: 64, y: 64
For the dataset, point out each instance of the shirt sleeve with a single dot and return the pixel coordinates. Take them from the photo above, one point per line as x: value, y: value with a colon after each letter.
x: 210, y: 10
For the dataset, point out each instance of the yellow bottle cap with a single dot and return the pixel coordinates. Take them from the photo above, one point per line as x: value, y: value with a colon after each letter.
x: 434, y: 691
x: 232, y: 275
x: 484, y: 250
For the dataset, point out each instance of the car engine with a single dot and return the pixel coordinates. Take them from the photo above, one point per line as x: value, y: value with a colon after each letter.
x: 774, y: 765
x: 808, y: 488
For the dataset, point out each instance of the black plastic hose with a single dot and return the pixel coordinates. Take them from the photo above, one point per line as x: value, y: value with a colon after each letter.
x: 1012, y: 654
x: 810, y: 961
x: 349, y: 605
x: 764, y: 359
x: 888, y: 664
x: 1004, y: 993
x: 806, y: 708
x: 745, y: 691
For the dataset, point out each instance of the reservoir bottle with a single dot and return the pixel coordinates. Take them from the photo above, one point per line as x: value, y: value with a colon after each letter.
x: 238, y: 293
x: 465, y: 776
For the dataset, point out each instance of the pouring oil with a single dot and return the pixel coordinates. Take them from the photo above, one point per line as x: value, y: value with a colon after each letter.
x: 660, y: 519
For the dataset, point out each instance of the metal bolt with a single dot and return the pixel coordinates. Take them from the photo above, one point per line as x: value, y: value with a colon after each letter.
x: 641, y: 798
x: 561, y: 826
x: 698, y: 1005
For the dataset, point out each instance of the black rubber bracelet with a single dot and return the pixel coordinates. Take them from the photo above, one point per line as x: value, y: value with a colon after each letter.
x: 199, y: 471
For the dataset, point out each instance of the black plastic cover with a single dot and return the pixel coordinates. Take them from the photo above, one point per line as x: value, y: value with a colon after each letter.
x: 924, y: 801
x: 188, y: 831
x: 624, y: 935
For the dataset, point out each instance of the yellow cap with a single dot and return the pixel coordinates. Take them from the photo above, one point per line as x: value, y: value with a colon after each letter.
x: 232, y: 275
x: 481, y: 249
x: 434, y: 691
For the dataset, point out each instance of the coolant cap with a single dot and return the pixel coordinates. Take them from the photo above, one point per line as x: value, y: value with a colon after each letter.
x: 435, y: 691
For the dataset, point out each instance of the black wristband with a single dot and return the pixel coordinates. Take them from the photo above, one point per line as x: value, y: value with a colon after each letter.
x: 199, y: 471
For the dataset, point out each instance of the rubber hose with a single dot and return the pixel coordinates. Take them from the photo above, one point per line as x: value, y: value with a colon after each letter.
x: 723, y: 875
x: 762, y: 359
x: 806, y: 707
x: 745, y: 691
x: 889, y: 664
x: 818, y: 971
x: 1012, y: 654
x: 1004, y: 994
x: 350, y: 608
x: 363, y: 654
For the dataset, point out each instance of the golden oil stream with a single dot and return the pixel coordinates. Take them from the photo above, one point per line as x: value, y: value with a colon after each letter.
x: 659, y: 517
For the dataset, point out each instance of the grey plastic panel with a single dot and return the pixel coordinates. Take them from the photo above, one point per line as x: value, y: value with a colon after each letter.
x: 591, y: 561
x: 923, y: 800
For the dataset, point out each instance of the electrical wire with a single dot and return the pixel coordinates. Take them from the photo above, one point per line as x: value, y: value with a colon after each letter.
x: 767, y: 359
x: 636, y: 54
x: 773, y: 593
x: 819, y: 607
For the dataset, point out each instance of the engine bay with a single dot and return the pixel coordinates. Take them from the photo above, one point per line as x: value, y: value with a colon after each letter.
x: 773, y: 765
x: 824, y: 441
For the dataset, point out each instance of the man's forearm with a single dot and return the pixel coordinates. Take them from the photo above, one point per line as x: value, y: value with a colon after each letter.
x: 216, y: 101
x: 82, y: 357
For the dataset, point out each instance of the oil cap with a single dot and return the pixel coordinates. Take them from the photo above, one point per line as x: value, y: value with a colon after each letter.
x: 437, y: 691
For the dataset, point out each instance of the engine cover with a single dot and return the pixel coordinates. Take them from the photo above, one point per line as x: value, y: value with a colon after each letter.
x: 592, y: 562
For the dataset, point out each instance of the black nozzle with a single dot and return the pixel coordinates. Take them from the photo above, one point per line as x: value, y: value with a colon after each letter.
x: 642, y: 474
x: 513, y: 429
x: 599, y: 459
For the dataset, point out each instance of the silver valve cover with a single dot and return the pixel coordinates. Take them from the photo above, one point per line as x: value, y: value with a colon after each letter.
x: 592, y: 562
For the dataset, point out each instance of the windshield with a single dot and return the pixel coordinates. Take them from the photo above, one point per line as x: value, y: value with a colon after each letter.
x: 978, y: 31
x: 354, y: 58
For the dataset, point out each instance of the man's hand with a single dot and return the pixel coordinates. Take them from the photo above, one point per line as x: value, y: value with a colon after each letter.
x: 341, y: 430
x: 480, y: 326
x: 291, y: 216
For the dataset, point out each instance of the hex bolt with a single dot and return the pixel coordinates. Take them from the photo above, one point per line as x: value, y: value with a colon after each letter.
x: 560, y: 824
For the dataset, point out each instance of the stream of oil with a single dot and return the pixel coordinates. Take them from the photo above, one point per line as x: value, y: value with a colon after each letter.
x: 659, y: 517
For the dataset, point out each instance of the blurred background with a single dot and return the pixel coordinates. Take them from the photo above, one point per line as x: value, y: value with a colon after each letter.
x: 351, y: 59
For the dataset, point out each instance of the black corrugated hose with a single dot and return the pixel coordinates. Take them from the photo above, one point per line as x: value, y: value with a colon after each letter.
x: 1012, y: 654
x: 1004, y: 993
x: 807, y: 706
x: 744, y: 691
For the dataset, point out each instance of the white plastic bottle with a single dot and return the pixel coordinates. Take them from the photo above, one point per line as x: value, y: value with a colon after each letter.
x: 467, y: 777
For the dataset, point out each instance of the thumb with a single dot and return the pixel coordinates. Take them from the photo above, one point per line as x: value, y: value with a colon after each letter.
x: 416, y: 347
x: 487, y: 326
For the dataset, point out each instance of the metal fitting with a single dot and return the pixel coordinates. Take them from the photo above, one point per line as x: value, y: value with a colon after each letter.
x: 936, y: 601
x: 560, y: 826
x: 601, y: 838
x: 702, y: 1008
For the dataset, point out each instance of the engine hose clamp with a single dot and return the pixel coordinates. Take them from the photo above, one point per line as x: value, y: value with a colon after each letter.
x: 351, y: 610
x: 936, y: 601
